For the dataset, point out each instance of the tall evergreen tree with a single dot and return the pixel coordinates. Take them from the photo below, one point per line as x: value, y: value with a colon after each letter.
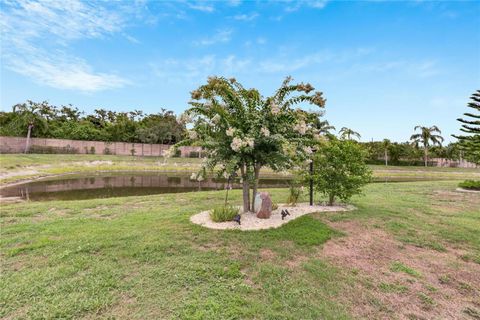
x: 470, y: 143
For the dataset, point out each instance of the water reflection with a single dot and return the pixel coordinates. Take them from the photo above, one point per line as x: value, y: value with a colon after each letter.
x: 120, y: 186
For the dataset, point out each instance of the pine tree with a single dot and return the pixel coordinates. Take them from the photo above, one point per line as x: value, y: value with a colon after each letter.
x: 470, y: 143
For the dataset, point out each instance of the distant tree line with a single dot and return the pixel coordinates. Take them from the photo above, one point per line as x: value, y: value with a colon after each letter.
x: 44, y: 120
x: 406, y: 153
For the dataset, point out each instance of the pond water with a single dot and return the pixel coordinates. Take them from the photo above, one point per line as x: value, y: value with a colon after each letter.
x: 133, y: 184
x: 119, y: 185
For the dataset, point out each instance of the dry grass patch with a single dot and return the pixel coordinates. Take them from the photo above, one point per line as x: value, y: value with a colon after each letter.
x: 432, y: 284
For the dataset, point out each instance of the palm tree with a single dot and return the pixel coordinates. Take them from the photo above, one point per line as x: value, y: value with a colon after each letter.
x: 424, y: 138
x: 29, y: 115
x: 324, y: 127
x: 346, y: 133
x: 386, y: 144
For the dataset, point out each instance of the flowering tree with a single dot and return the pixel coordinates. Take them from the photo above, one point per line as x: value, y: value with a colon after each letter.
x: 240, y: 130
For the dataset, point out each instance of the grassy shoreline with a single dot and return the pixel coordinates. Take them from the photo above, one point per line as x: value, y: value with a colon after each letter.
x: 19, y: 167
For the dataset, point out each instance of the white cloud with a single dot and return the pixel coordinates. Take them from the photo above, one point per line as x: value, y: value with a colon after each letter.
x: 417, y: 69
x: 246, y: 17
x: 194, y: 69
x: 234, y: 3
x: 316, y: 4
x: 64, y: 72
x: 202, y: 7
x: 222, y: 36
x: 30, y: 27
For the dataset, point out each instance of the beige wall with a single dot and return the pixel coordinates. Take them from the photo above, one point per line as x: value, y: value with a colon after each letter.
x: 17, y: 145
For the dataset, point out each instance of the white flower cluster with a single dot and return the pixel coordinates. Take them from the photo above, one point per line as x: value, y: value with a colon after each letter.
x: 197, y: 176
x: 237, y: 143
x: 308, y: 150
x: 265, y: 131
x: 275, y: 109
x: 230, y: 132
x: 184, y: 118
x: 301, y: 127
x: 192, y: 134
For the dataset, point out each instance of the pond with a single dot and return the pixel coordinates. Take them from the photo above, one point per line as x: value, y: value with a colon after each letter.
x: 120, y: 185
x: 134, y: 184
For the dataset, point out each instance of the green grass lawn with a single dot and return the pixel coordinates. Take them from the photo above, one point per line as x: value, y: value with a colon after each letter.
x: 16, y: 167
x: 140, y: 257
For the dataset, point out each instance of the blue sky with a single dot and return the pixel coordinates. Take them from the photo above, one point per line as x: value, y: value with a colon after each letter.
x: 383, y: 66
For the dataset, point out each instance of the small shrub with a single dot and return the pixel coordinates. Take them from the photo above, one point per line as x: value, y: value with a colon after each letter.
x: 178, y: 153
x: 340, y: 170
x: 274, y: 206
x: 224, y: 213
x: 107, y: 151
x: 294, y: 194
x: 92, y: 150
x: 470, y: 185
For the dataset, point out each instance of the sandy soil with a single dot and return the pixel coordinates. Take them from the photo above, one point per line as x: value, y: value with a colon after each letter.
x: 249, y: 221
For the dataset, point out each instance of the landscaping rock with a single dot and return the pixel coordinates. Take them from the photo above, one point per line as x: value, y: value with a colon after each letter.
x: 266, y: 208
x: 258, y: 202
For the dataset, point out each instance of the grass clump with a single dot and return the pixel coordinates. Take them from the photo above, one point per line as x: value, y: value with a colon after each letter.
x: 223, y: 213
x: 392, y: 287
x: 397, y: 266
x: 294, y: 194
x: 470, y: 185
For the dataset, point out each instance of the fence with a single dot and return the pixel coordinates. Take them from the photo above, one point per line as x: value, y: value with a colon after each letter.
x: 43, y: 145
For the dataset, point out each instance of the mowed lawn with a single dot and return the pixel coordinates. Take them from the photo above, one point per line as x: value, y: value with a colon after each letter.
x: 410, y: 250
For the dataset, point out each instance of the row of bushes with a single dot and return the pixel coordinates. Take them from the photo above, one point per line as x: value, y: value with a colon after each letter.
x: 419, y: 163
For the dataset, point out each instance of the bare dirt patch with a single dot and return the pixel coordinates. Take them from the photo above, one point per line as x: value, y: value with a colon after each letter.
x: 267, y: 254
x: 403, y: 281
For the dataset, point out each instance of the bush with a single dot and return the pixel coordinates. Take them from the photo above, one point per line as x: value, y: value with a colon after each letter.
x: 294, y: 195
x: 340, y: 170
x: 470, y: 184
x: 178, y: 153
x: 224, y: 213
x: 52, y: 150
x: 194, y: 154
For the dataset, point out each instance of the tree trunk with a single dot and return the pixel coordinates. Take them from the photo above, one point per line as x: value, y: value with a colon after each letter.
x: 331, y: 199
x: 386, y: 157
x: 226, y: 195
x: 27, y: 144
x: 426, y: 156
x: 255, y: 185
x: 245, y: 187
